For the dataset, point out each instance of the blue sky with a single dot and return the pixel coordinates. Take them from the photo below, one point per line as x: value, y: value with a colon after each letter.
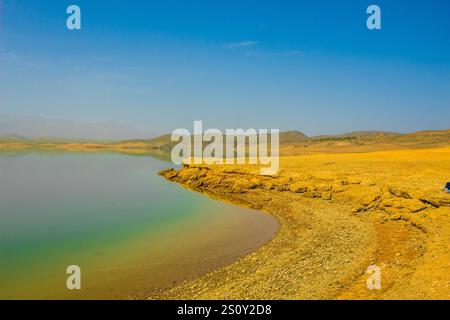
x: 160, y: 65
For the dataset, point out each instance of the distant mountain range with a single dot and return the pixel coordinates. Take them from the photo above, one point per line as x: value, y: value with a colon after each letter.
x: 35, y: 127
x: 358, y: 134
x: 288, y: 137
x: 40, y: 131
x: 296, y: 142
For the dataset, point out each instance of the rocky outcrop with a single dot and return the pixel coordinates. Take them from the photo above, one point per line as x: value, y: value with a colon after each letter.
x: 395, y: 202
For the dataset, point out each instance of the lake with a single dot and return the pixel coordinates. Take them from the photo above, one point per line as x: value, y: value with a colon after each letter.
x: 128, y: 229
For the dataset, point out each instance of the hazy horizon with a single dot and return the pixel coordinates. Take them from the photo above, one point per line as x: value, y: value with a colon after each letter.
x: 42, y: 127
x: 35, y: 127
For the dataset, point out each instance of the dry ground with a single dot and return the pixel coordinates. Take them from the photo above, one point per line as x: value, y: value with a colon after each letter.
x: 338, y: 213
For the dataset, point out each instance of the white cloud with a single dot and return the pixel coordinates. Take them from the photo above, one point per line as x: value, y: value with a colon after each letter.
x: 242, y: 44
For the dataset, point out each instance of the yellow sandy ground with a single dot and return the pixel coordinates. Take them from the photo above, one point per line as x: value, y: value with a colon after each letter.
x: 339, y: 214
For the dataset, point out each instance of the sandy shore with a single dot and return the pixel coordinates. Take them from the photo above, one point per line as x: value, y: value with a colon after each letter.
x: 338, y: 214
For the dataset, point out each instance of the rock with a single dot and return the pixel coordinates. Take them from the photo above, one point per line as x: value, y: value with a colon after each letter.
x: 246, y: 184
x: 399, y: 193
x: 254, y: 183
x: 268, y: 185
x: 395, y: 217
x: 353, y: 180
x: 401, y: 205
x: 188, y: 173
x: 312, y: 194
x: 298, y: 187
x: 282, y: 187
x: 168, y: 173
x: 370, y: 198
x: 442, y: 201
x: 212, y: 181
x: 337, y: 187
x: 326, y: 195
x: 415, y: 205
x: 324, y: 187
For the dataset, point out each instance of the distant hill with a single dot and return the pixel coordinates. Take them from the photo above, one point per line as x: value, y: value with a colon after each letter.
x: 357, y: 134
x: 367, y: 141
x: 12, y: 137
x: 291, y: 143
x: 164, y: 142
x: 296, y: 142
x: 424, y: 138
x: 292, y: 137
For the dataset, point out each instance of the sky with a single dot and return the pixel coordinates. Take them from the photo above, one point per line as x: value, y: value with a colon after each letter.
x: 312, y: 66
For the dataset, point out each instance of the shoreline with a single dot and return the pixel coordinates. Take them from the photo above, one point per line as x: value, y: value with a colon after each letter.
x: 296, y: 244
x: 333, y: 225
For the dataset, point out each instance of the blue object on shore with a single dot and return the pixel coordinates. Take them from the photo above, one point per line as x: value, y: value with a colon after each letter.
x: 447, y: 186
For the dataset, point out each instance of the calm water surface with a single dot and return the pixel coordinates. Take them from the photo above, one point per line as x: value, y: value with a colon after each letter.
x: 128, y: 229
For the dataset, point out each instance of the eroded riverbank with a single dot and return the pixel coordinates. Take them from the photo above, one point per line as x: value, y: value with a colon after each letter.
x: 338, y: 214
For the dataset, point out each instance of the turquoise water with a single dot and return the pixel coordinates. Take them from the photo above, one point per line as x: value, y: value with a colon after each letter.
x: 129, y: 230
